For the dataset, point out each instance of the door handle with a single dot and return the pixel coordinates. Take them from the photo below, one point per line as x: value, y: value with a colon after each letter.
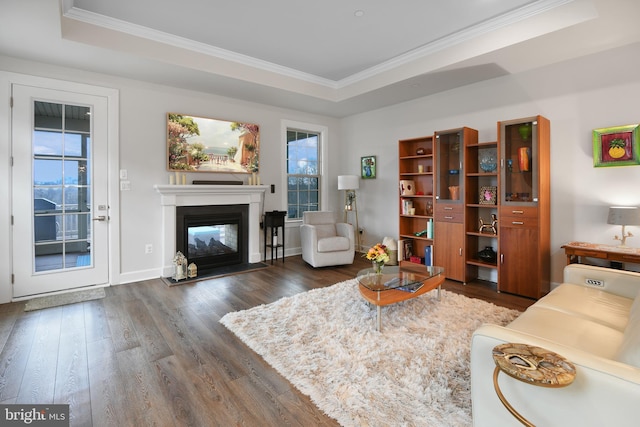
x: 100, y: 218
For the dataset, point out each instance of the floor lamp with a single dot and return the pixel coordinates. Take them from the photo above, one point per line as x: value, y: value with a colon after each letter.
x: 350, y: 183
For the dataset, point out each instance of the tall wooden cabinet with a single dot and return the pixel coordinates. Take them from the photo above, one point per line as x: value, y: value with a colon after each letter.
x: 525, y: 209
x: 491, y: 204
x: 416, y: 164
x: 449, y: 233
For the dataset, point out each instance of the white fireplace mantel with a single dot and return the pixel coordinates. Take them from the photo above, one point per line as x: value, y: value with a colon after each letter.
x: 172, y: 196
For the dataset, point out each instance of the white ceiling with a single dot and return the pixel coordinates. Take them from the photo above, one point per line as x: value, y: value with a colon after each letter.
x: 318, y: 57
x: 329, y: 39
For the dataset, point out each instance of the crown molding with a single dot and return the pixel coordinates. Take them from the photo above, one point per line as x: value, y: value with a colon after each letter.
x: 114, y: 24
x: 457, y: 38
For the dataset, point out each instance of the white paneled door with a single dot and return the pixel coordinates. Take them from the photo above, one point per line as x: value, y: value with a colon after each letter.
x: 59, y: 190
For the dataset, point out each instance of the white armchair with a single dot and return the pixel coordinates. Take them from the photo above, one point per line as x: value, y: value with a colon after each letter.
x: 325, y: 241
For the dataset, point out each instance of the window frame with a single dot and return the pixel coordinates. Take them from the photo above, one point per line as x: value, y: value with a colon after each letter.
x: 322, y: 132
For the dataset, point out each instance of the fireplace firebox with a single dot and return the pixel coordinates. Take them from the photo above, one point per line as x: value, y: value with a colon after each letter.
x: 213, y: 236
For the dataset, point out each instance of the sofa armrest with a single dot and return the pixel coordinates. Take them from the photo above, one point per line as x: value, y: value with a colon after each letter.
x: 605, y: 391
x: 308, y: 237
x: 345, y: 230
x: 618, y: 282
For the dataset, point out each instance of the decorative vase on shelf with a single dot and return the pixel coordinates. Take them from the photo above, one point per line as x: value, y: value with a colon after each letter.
x: 525, y: 131
x: 454, y: 192
x: 524, y: 158
x: 488, y: 254
x: 488, y: 162
x: 377, y: 266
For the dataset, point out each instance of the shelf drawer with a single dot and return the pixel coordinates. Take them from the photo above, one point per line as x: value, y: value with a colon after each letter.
x: 449, y: 212
x: 449, y: 208
x: 518, y: 212
x: 590, y: 254
x: 630, y: 258
x: 515, y: 221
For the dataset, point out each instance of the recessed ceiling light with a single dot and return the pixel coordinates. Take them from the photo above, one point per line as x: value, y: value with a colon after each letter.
x: 358, y: 13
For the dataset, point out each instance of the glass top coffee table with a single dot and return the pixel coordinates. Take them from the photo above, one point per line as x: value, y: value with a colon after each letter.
x: 398, y: 283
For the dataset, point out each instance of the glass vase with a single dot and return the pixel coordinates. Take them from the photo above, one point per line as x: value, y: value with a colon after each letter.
x: 377, y: 267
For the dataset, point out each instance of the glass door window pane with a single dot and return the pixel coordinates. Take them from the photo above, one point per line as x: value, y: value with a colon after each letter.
x: 61, y: 186
x: 520, y: 181
x: 449, y: 164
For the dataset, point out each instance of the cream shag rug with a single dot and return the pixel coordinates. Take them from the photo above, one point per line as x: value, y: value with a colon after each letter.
x: 413, y: 373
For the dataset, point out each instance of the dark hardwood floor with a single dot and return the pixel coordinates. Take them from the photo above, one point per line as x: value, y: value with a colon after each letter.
x: 149, y: 354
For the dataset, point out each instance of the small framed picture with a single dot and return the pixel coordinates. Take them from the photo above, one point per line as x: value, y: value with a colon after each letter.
x: 616, y: 146
x: 368, y: 167
x: 488, y: 195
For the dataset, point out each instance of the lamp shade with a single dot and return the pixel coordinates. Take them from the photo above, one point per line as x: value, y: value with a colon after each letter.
x: 348, y: 182
x: 622, y: 215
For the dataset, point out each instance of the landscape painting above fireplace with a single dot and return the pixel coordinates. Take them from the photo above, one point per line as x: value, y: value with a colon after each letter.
x: 199, y: 144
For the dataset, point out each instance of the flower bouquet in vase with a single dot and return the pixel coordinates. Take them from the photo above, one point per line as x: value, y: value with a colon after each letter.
x: 379, y: 255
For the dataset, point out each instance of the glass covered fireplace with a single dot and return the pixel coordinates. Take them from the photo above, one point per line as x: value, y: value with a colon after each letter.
x: 213, y: 236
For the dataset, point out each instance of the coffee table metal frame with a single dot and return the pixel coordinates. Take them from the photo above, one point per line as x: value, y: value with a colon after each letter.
x: 382, y: 289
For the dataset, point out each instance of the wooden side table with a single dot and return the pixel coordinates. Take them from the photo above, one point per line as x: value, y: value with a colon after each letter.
x: 272, y: 222
x: 532, y: 365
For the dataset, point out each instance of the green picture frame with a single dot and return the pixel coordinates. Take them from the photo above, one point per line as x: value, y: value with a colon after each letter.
x: 616, y: 146
x: 368, y: 167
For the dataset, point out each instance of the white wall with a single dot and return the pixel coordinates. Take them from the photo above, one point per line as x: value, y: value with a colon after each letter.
x: 143, y: 153
x: 143, y: 109
x: 577, y: 97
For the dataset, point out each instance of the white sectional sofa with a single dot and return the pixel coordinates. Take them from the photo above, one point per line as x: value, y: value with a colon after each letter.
x: 593, y: 320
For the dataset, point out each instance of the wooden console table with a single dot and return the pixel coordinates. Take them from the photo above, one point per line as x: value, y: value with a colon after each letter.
x: 575, y: 250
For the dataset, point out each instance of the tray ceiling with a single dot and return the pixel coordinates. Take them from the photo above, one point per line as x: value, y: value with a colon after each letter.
x: 331, y: 57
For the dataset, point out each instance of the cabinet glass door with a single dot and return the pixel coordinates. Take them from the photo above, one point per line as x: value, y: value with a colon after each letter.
x: 519, y: 147
x: 449, y: 159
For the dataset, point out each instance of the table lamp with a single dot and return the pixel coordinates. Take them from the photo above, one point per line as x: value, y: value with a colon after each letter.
x: 350, y: 183
x: 623, y: 215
